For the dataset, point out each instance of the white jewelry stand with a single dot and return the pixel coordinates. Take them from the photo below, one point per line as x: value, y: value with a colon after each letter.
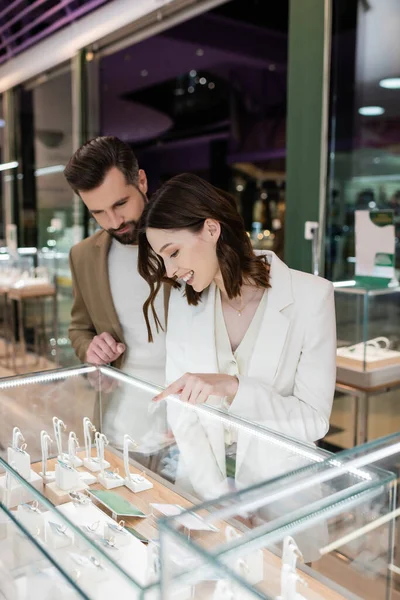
x: 90, y: 463
x: 289, y: 576
x: 135, y: 483
x: 73, y: 444
x: 75, y: 461
x: 108, y: 479
x: 31, y: 518
x: 12, y: 492
x: 18, y: 456
x: 57, y: 425
x: 223, y: 591
x: 251, y: 566
x: 45, y: 441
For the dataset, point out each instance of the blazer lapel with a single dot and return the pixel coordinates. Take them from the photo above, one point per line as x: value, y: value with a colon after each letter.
x: 203, y: 359
x: 275, y: 324
x: 272, y: 335
x: 103, y: 281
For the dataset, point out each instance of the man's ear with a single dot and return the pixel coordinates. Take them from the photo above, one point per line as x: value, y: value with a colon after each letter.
x: 142, y: 182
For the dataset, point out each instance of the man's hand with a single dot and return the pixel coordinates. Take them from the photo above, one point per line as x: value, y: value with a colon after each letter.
x: 103, y: 349
x: 196, y: 388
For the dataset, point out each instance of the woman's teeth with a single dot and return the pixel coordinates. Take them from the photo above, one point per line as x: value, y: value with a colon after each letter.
x: 188, y: 276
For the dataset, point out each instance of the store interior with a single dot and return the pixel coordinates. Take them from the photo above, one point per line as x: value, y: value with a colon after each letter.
x: 207, y: 95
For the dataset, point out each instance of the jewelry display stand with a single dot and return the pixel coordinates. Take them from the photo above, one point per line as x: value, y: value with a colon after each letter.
x: 45, y: 441
x: 108, y: 479
x: 135, y: 483
x: 89, y: 462
x: 12, y: 492
x: 73, y: 444
x: 67, y: 480
x: 59, y: 425
x: 289, y: 576
x: 75, y: 461
x: 251, y: 567
x: 31, y: 518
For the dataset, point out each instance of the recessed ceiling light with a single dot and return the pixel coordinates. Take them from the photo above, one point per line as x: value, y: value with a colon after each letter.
x: 371, y: 111
x: 390, y: 83
x: 193, y: 73
x: 199, y: 52
x: 144, y: 72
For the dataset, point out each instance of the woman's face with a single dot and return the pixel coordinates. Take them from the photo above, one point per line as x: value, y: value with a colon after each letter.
x: 190, y: 257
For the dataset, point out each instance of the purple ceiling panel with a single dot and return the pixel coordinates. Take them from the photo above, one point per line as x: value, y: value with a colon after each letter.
x: 23, y: 23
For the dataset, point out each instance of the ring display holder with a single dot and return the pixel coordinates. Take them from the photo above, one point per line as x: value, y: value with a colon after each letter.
x: 108, y: 479
x: 89, y: 462
x: 134, y: 482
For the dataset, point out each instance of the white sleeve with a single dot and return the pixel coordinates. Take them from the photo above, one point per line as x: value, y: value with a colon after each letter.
x: 305, y: 414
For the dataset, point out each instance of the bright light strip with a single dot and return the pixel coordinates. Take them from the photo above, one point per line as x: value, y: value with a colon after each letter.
x: 10, y: 165
x: 339, y: 469
x: 27, y: 250
x: 49, y: 170
x: 139, y: 383
x: 344, y: 284
x: 45, y: 378
x: 390, y: 83
x: 371, y: 111
x: 214, y: 414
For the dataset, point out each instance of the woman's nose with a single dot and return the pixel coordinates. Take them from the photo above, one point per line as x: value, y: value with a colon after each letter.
x: 171, y: 271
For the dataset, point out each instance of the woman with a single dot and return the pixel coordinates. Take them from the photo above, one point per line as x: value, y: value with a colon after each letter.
x: 242, y: 327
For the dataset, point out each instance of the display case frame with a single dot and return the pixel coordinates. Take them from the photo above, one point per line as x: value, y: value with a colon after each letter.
x: 373, y: 506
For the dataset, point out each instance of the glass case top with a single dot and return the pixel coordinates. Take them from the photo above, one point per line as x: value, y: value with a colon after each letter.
x: 97, y: 433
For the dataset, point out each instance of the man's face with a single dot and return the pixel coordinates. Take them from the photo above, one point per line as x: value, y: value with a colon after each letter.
x: 117, y: 205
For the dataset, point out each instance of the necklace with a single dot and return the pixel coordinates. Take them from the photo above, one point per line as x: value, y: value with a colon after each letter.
x: 241, y: 309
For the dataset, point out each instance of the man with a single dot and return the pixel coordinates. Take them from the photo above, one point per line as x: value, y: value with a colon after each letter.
x: 107, y: 323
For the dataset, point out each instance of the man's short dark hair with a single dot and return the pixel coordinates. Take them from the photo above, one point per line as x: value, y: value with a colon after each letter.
x: 90, y: 164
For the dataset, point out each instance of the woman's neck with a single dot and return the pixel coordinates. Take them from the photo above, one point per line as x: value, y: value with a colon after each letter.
x: 247, y: 289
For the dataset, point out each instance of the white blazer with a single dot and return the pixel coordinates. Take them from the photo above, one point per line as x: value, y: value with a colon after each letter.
x: 289, y: 386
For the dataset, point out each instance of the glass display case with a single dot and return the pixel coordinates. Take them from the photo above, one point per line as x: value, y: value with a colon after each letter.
x: 45, y: 553
x: 327, y: 531
x: 95, y: 434
x: 368, y: 334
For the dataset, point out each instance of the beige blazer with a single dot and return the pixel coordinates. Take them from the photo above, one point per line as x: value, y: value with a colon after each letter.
x: 93, y: 311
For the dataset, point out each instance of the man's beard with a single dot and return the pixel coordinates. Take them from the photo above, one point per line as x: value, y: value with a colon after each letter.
x: 129, y: 237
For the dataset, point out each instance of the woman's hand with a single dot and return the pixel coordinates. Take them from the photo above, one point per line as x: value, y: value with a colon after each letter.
x: 196, y: 388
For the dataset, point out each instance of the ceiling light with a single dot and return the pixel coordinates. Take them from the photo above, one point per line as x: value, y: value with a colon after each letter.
x: 89, y: 56
x: 272, y: 67
x: 390, y: 83
x: 144, y: 72
x: 211, y: 85
x: 371, y: 111
x: 199, y: 52
x: 190, y: 89
x: 203, y: 80
x: 193, y: 73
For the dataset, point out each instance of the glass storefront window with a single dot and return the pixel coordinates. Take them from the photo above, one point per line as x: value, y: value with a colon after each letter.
x: 52, y: 130
x: 364, y: 164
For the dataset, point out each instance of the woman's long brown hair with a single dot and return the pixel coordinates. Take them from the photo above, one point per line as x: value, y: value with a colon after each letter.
x: 185, y: 202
